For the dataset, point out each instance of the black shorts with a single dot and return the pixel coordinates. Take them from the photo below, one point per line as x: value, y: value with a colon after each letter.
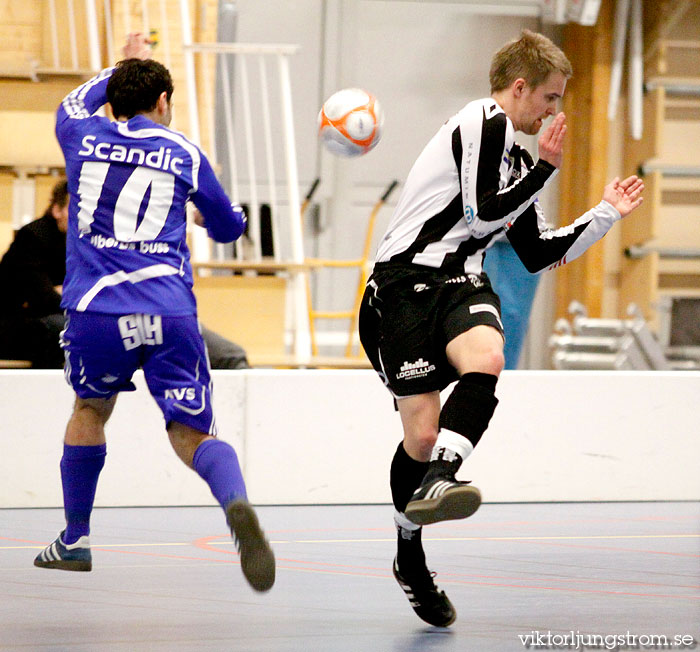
x: 408, y: 316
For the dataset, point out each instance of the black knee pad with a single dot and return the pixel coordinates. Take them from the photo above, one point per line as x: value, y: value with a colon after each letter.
x: 470, y: 407
x: 406, y: 476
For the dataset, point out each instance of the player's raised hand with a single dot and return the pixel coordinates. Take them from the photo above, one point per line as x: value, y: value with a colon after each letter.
x: 137, y: 47
x: 625, y: 195
x: 551, y: 141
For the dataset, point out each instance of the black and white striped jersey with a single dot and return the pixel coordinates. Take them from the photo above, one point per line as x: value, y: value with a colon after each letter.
x: 471, y: 183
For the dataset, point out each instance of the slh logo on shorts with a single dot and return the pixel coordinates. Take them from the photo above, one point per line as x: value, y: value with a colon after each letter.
x: 417, y: 369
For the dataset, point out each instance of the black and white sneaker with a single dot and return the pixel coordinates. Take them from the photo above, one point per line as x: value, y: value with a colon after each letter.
x: 257, y: 558
x: 431, y: 605
x: 72, y: 557
x: 442, y: 499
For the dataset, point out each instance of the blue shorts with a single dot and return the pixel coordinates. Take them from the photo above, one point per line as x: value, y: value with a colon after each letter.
x: 103, y: 351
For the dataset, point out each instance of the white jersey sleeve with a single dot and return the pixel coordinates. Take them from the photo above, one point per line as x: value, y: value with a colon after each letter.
x: 542, y: 248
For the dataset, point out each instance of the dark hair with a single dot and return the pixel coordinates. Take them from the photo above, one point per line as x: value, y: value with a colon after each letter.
x: 532, y: 57
x: 136, y: 85
x: 59, y: 196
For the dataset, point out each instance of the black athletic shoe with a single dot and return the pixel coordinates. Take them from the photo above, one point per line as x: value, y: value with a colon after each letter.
x: 257, y: 558
x: 442, y: 499
x: 73, y: 557
x: 433, y: 606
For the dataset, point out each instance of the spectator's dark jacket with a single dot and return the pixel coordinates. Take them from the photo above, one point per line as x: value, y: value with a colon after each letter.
x: 32, y: 266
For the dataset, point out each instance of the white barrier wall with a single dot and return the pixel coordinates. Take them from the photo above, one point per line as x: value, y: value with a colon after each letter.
x: 329, y: 436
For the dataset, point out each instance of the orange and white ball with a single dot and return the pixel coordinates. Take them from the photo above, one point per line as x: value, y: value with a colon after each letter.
x: 350, y: 122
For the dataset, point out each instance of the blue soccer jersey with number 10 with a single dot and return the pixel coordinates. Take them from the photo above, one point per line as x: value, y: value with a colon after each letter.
x: 129, y: 183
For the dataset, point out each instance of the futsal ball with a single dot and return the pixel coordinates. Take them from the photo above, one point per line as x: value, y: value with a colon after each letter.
x: 350, y: 122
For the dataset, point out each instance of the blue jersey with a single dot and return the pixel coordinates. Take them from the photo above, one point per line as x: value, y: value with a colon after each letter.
x: 129, y: 183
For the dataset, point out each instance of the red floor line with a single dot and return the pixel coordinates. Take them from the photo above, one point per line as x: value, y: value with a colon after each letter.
x: 204, y: 544
x: 310, y: 568
x: 34, y: 543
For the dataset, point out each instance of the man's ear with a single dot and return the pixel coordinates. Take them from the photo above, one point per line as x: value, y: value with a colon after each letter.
x: 519, y: 86
x: 56, y: 211
x: 162, y: 103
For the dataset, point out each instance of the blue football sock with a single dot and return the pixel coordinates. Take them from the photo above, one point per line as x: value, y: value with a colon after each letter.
x: 217, y: 463
x: 80, y: 469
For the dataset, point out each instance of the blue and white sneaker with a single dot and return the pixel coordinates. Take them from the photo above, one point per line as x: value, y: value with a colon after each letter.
x: 73, y: 557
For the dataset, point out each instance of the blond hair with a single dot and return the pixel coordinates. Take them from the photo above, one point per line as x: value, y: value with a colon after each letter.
x: 532, y: 56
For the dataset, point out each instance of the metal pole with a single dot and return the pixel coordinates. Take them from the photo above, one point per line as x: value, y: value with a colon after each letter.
x: 127, y: 16
x: 146, y: 23
x: 254, y: 205
x: 54, y: 34
x: 72, y: 35
x: 165, y: 34
x: 636, y: 75
x: 109, y: 35
x: 670, y: 170
x: 673, y: 88
x: 621, y: 14
x: 663, y: 252
x: 200, y: 240
x: 302, y: 339
x: 189, y: 71
x: 93, y: 41
x: 272, y: 181
x: 230, y: 140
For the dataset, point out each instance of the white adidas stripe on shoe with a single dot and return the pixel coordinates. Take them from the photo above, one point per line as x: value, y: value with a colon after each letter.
x: 73, y: 557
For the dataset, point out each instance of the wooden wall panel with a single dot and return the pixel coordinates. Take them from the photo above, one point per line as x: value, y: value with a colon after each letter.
x: 225, y: 302
x: 643, y: 224
x: 584, y: 172
x: 20, y: 36
x: 638, y: 284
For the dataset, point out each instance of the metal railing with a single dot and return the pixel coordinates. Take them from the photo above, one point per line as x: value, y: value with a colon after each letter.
x: 253, y: 83
x: 636, y: 252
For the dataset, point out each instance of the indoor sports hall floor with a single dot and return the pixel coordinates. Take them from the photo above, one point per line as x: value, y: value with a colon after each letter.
x: 168, y: 579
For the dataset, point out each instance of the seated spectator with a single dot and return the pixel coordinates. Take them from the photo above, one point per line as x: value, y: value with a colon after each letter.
x: 31, y: 279
x: 31, y: 276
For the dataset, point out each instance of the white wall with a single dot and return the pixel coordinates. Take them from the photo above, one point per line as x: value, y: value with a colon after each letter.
x: 328, y: 437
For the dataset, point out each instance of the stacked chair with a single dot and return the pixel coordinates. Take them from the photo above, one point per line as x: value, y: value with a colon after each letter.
x: 616, y: 344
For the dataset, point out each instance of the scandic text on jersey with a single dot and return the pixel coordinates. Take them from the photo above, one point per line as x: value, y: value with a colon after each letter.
x: 159, y: 159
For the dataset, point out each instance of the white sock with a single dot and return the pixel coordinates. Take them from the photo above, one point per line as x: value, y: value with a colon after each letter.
x: 452, y: 442
x: 402, y: 522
